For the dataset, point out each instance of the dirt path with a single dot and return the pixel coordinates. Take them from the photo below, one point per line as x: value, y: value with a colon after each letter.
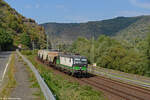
x: 23, y: 88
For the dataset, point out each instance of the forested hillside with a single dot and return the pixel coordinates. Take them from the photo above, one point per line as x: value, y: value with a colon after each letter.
x: 15, y: 29
x: 110, y: 53
x: 121, y: 44
x: 123, y: 27
x: 125, y: 46
x: 135, y: 31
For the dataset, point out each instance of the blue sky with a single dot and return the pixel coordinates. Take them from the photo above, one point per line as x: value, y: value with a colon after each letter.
x: 66, y: 11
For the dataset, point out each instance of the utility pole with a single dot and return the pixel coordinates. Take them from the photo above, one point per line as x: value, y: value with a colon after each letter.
x: 92, y: 52
x: 33, y: 45
x: 0, y: 48
x: 47, y: 41
x: 51, y: 41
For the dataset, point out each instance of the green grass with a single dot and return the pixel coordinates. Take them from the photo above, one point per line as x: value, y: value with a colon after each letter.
x: 63, y: 88
x: 10, y: 82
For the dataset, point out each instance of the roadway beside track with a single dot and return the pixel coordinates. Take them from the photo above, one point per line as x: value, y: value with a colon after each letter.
x: 4, y: 57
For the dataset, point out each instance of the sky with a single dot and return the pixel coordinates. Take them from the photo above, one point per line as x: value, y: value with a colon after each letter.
x: 75, y: 11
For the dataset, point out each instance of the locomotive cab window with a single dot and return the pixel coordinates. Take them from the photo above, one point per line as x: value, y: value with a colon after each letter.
x: 84, y: 61
x: 77, y: 61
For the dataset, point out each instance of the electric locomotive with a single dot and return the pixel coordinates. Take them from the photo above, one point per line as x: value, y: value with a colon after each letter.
x: 75, y: 64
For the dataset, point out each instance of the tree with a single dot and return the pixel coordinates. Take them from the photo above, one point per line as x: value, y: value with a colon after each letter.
x: 6, y: 40
x: 113, y: 54
x: 25, y: 39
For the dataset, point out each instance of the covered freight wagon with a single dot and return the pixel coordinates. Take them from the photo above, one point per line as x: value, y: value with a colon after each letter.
x: 52, y: 56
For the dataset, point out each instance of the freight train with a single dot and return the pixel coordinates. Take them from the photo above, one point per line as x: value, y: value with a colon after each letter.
x: 73, y: 64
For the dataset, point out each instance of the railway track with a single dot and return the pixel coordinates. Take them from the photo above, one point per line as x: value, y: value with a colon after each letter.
x: 119, y: 90
x: 143, y: 90
x: 104, y: 88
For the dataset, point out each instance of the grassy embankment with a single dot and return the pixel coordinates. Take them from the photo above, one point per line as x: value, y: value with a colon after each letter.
x: 60, y: 86
x: 9, y: 79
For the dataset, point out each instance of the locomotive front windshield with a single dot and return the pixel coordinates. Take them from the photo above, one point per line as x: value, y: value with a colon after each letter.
x: 77, y: 61
x: 84, y: 61
x: 80, y: 61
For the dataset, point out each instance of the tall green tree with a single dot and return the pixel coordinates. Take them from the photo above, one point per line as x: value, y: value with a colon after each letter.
x: 6, y: 40
x: 25, y: 40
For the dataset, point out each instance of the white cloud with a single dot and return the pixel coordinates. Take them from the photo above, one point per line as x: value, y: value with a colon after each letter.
x: 37, y: 6
x: 28, y: 6
x: 140, y: 4
x: 60, y: 6
x: 132, y: 13
x: 32, y: 6
x: 77, y: 19
x: 80, y: 19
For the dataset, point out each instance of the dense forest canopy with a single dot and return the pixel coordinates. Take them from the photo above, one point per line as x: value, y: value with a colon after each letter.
x: 113, y: 54
x: 15, y: 29
x: 6, y: 40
